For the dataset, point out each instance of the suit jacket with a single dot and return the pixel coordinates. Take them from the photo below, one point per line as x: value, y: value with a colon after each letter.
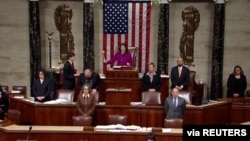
x: 86, y: 106
x: 172, y: 111
x: 156, y: 83
x: 94, y: 80
x: 182, y: 80
x: 236, y: 85
x: 42, y: 89
x: 68, y: 76
x: 122, y: 59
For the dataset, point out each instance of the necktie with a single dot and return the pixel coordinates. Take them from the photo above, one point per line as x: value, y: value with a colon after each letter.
x: 72, y: 65
x: 175, y: 103
x: 179, y: 72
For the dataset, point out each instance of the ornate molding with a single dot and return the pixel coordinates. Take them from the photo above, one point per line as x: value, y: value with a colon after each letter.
x: 220, y: 1
x: 163, y: 1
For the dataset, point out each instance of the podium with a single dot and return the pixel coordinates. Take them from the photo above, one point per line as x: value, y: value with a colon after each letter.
x: 120, y: 93
x: 120, y: 72
x: 116, y: 96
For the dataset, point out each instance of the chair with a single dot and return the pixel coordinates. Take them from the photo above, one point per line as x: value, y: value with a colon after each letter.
x: 65, y: 94
x: 173, y: 123
x: 187, y: 96
x: 247, y: 93
x: 5, y: 88
x: 22, y: 89
x: 151, y: 98
x: 134, y: 54
x: 117, y: 119
x: 14, y: 116
x: 97, y: 97
x: 195, y: 90
x: 82, y: 120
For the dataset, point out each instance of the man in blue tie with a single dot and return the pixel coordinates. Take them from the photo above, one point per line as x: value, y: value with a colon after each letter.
x: 175, y: 106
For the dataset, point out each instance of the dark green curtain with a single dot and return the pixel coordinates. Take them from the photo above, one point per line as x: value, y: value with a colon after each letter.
x: 217, y: 52
x: 163, y: 39
x: 88, y: 36
x: 35, y: 43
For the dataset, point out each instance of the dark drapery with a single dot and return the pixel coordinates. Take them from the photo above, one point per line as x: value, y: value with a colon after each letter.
x: 88, y: 36
x: 163, y: 39
x: 217, y: 52
x: 35, y: 43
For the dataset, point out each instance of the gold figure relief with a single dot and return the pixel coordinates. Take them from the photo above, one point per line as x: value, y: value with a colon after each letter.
x: 191, y: 20
x: 62, y: 16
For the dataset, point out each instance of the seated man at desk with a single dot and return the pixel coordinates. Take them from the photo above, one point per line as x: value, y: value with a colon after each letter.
x: 151, y: 80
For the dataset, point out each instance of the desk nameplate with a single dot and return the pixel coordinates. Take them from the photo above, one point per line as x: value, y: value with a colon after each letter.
x: 118, y: 90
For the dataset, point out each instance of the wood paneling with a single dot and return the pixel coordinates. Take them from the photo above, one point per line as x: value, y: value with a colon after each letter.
x: 240, y: 110
x: 61, y: 133
x: 145, y: 116
x: 135, y: 84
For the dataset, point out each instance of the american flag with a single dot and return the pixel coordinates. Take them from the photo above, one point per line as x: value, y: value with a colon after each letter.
x: 127, y: 22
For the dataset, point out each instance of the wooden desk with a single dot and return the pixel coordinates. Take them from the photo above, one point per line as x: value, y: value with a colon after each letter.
x: 211, y: 113
x: 5, y: 122
x: 15, y: 94
x: 135, y: 84
x: 123, y: 72
x: 76, y: 133
x: 118, y: 96
x: 35, y: 113
x: 145, y: 116
x: 240, y: 110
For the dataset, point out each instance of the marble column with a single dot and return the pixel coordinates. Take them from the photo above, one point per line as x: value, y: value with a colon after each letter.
x: 163, y: 38
x: 88, y: 35
x: 35, y: 42
x: 218, y: 50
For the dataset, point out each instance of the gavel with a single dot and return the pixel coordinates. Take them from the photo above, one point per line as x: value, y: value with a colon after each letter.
x: 103, y: 55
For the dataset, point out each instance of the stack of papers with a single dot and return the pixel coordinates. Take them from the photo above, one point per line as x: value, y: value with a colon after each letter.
x: 117, y: 67
x: 135, y: 103
x: 117, y: 127
x: 166, y: 130
x: 16, y: 91
x: 19, y: 96
x: 57, y: 101
x: 101, y: 103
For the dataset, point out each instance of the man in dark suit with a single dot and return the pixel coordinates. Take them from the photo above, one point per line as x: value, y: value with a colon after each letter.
x: 91, y: 78
x: 175, y: 106
x: 69, y: 72
x: 180, y: 75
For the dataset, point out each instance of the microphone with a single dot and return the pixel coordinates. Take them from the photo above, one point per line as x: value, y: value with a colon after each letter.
x: 30, y: 128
